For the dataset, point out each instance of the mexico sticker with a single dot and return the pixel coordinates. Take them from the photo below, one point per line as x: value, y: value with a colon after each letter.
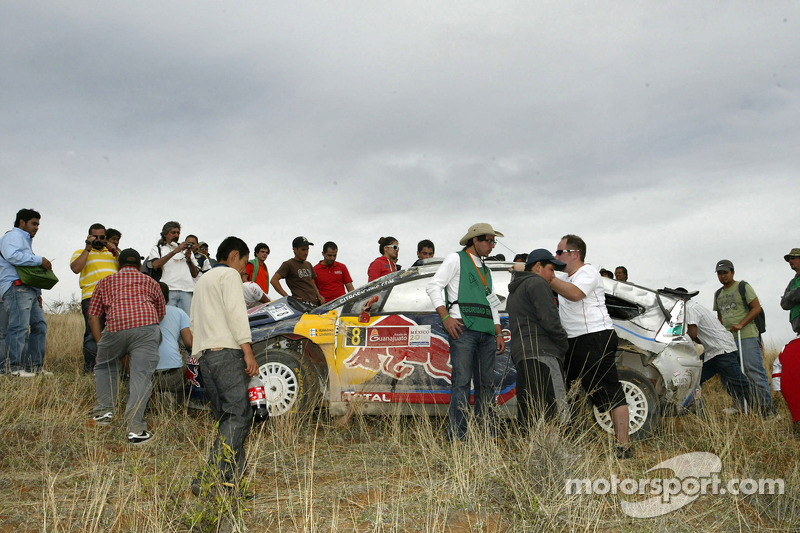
x: 387, y: 336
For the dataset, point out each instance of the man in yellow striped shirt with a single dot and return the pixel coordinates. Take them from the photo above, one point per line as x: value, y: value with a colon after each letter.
x: 96, y: 260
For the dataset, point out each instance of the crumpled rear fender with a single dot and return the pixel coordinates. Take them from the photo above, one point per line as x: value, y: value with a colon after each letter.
x: 680, y: 367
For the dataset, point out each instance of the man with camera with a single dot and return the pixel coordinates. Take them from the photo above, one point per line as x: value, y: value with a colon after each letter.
x: 96, y: 260
x: 178, y: 265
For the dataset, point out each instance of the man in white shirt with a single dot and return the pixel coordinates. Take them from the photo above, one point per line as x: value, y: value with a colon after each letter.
x: 591, y: 356
x: 469, y: 313
x: 221, y: 344
x: 178, y: 266
x: 253, y: 293
x: 720, y: 355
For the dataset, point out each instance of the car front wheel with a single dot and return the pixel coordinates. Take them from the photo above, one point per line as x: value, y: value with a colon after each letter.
x: 643, y: 406
x: 291, y: 384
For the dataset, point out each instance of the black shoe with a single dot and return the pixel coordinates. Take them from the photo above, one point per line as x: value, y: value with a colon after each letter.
x: 623, y: 452
x: 140, y: 438
x: 196, y: 487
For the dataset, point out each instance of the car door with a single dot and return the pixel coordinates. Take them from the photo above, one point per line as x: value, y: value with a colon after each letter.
x: 401, y: 354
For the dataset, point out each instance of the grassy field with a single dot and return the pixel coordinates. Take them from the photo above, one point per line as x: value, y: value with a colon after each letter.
x: 60, y: 472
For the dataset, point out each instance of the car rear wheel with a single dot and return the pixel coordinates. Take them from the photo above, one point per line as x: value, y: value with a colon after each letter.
x: 643, y: 406
x: 291, y: 383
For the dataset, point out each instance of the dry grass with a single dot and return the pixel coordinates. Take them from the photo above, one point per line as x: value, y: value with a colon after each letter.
x: 60, y: 473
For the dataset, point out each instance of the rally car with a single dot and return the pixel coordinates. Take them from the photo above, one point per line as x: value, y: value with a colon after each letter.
x: 383, y: 347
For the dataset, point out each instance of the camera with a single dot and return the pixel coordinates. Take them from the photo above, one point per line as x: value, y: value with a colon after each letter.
x: 97, y: 244
x: 189, y: 245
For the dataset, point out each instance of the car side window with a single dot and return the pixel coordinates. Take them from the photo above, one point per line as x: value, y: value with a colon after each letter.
x: 409, y: 297
x: 622, y: 309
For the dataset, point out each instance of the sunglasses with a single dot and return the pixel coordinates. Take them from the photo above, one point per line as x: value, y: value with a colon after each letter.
x: 393, y: 246
x: 559, y: 252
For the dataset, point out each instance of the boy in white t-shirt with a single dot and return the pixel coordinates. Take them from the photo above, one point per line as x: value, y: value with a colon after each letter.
x: 253, y: 293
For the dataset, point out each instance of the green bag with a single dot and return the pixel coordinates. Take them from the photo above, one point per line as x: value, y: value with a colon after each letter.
x: 37, y: 276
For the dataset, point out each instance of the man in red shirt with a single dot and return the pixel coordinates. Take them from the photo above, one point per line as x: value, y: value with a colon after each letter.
x: 333, y: 279
x: 133, y: 305
x: 258, y: 266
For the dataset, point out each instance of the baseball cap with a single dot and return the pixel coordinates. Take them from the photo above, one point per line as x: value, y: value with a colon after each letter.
x: 130, y: 257
x: 540, y: 254
x: 724, y: 266
x: 795, y: 251
x: 299, y: 242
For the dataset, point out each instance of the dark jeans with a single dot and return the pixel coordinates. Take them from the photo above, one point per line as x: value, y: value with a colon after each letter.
x: 89, y: 344
x: 225, y: 382
x: 735, y: 383
x: 169, y: 386
x: 536, y: 395
x: 472, y: 356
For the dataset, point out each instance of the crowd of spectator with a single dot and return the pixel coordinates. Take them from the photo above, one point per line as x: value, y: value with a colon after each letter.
x: 142, y: 313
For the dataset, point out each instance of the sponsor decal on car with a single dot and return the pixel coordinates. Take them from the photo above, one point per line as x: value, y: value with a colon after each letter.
x: 395, y: 345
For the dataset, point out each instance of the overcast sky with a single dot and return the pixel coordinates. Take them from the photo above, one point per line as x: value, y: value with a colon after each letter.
x: 666, y: 134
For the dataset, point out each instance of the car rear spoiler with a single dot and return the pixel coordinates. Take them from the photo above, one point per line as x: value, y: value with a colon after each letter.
x: 681, y: 294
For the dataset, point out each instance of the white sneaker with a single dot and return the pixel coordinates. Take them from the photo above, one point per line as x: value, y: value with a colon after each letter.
x: 23, y: 374
x: 104, y: 419
x: 730, y: 411
x: 140, y: 438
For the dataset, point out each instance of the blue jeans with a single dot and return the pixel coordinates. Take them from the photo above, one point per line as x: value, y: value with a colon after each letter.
x: 226, y: 383
x: 472, y: 356
x: 754, y: 370
x: 735, y: 383
x: 181, y: 299
x: 25, y: 351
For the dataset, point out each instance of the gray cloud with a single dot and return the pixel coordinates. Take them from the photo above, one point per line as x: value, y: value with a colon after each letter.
x: 665, y: 134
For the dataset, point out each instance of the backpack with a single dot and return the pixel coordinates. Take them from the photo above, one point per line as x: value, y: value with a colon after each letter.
x: 760, y: 320
x: 149, y: 270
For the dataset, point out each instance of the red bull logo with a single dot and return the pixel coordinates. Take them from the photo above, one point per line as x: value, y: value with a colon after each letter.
x: 192, y: 371
x: 395, y: 346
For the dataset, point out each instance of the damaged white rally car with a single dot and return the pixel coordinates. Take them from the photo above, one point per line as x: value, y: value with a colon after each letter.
x: 394, y: 357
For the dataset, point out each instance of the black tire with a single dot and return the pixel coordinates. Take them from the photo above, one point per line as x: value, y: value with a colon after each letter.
x: 643, y: 406
x: 291, y: 383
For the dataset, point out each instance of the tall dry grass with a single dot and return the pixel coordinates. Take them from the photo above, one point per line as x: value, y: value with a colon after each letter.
x: 60, y: 473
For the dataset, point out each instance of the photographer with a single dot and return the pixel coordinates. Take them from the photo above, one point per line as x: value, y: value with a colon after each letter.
x: 96, y: 260
x: 178, y: 265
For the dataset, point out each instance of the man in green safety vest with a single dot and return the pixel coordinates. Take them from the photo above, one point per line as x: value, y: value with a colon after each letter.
x: 461, y: 292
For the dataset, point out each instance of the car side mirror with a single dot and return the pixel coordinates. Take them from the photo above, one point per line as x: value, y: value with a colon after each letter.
x: 366, y: 309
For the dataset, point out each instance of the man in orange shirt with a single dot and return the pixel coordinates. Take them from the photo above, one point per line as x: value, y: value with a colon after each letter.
x: 257, y: 269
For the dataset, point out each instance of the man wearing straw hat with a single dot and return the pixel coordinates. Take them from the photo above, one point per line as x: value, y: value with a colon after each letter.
x: 461, y: 292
